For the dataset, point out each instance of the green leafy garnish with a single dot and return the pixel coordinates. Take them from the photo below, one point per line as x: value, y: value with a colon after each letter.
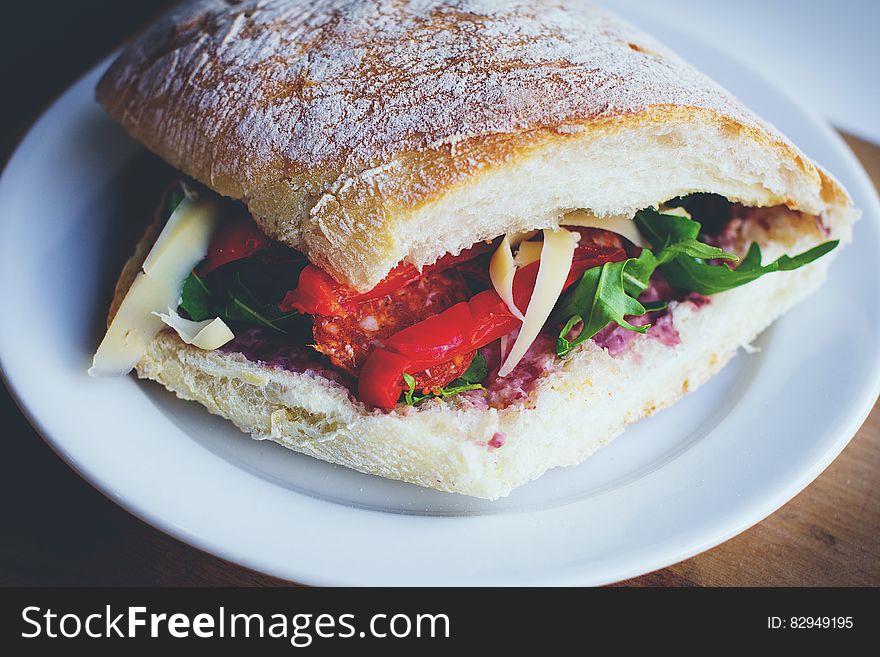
x: 244, y: 307
x: 672, y: 236
x: 654, y: 306
x: 608, y: 294
x: 637, y: 273
x: 195, y: 298
x: 476, y: 371
x: 599, y: 298
x: 453, y: 388
x: 408, y: 395
x: 682, y: 257
x: 456, y: 387
x: 701, y: 277
x: 469, y: 380
x: 238, y: 294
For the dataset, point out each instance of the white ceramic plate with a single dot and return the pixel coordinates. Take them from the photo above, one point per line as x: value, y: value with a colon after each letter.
x: 670, y: 487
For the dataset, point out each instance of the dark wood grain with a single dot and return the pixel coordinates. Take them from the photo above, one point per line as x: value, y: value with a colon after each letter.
x: 57, y: 530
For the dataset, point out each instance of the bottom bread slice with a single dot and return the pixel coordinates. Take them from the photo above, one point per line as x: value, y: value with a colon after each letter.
x: 454, y: 445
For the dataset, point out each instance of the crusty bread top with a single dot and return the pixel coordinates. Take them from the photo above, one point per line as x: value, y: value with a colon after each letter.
x: 364, y: 132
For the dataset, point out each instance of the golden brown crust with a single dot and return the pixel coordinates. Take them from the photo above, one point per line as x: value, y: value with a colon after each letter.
x: 339, y: 121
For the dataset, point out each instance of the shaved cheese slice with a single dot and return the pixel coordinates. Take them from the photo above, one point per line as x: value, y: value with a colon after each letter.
x: 209, y: 334
x: 678, y: 211
x: 620, y: 224
x: 185, y: 236
x: 556, y: 257
x: 517, y: 238
x: 505, y: 340
x: 132, y: 328
x: 181, y: 245
x: 501, y: 273
x: 528, y: 253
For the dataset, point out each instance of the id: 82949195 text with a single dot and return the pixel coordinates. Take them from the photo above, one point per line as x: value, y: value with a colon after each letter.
x: 810, y: 622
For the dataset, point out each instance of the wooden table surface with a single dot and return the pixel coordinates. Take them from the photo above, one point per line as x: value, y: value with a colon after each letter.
x: 57, y: 530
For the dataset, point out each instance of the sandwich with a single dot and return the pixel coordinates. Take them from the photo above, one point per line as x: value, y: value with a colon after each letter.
x: 451, y: 243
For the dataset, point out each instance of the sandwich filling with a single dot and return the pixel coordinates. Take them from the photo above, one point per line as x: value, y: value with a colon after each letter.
x: 483, y: 325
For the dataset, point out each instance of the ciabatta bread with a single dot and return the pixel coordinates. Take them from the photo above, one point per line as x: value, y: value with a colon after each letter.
x: 366, y: 132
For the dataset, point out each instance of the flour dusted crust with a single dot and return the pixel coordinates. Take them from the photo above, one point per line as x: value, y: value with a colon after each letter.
x: 576, y: 408
x: 365, y: 132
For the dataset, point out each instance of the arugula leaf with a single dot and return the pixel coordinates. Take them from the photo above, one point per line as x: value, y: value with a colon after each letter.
x: 456, y: 387
x: 637, y: 273
x: 453, y: 388
x: 610, y: 293
x: 243, y: 306
x: 408, y: 394
x: 701, y: 277
x: 476, y: 371
x: 671, y: 236
x: 654, y: 306
x: 469, y: 380
x: 563, y: 344
x: 682, y: 256
x: 231, y: 299
x: 598, y: 299
x: 195, y: 298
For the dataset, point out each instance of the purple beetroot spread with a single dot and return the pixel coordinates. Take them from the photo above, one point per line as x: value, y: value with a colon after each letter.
x: 273, y: 349
x: 617, y: 340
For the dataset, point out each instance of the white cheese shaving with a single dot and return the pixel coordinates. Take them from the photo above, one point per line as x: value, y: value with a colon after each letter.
x: 517, y: 238
x: 505, y: 343
x: 501, y: 272
x: 185, y: 236
x: 132, y: 328
x: 181, y: 245
x: 209, y: 334
x: 556, y: 258
x: 678, y: 211
x: 621, y: 224
x: 528, y: 253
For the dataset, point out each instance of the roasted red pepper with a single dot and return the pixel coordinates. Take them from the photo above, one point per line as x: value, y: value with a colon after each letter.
x: 463, y: 327
x: 238, y: 238
x: 319, y: 294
